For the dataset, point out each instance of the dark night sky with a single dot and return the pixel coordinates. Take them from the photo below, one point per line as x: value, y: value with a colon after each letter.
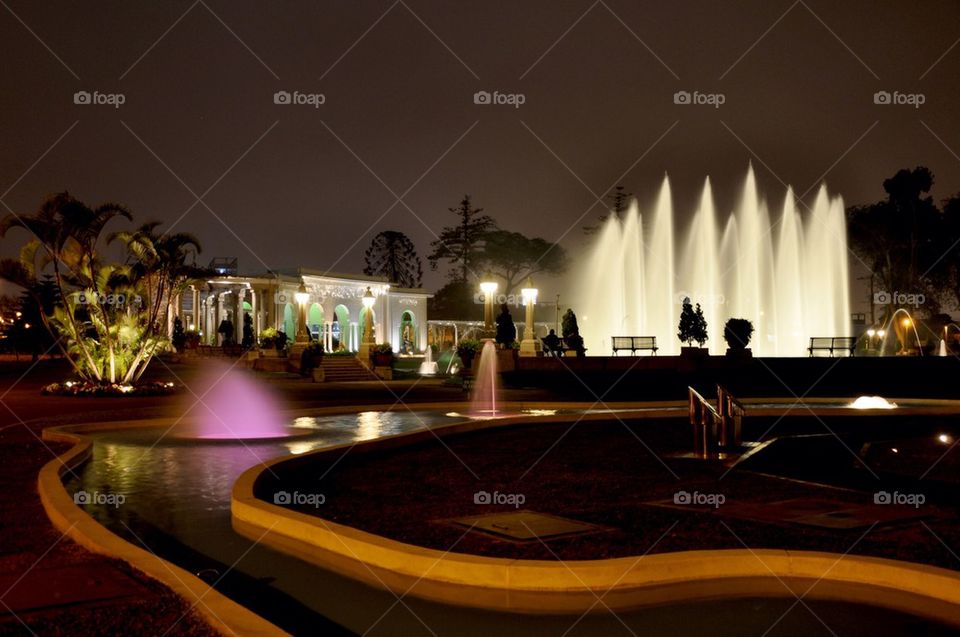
x: 399, y: 100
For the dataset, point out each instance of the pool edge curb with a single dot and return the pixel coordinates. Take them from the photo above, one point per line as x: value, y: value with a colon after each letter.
x: 221, y: 613
x: 532, y: 586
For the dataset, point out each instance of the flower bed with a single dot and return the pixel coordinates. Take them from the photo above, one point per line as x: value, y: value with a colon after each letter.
x: 79, y: 388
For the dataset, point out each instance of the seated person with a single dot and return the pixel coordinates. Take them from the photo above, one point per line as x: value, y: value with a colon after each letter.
x: 551, y: 343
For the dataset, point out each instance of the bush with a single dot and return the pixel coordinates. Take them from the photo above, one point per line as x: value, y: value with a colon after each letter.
x: 382, y: 348
x: 268, y: 337
x: 737, y: 333
x: 468, y: 348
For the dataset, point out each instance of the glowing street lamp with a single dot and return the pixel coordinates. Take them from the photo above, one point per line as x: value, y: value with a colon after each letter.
x: 488, y: 285
x: 529, y: 346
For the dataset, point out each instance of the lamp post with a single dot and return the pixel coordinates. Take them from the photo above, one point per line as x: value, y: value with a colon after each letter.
x: 489, y: 287
x: 302, y: 297
x: 529, y: 346
x: 367, y: 340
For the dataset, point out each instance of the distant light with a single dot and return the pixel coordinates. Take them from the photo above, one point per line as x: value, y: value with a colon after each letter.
x: 488, y: 287
x: 906, y: 322
x: 881, y: 333
x: 26, y: 325
x: 192, y: 326
x: 871, y: 332
x: 126, y: 389
x: 894, y: 450
x: 19, y: 314
x: 945, y: 439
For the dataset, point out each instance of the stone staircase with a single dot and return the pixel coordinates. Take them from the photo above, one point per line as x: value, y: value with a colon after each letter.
x: 340, y: 369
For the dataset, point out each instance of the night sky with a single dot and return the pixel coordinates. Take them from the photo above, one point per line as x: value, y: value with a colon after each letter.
x: 285, y: 184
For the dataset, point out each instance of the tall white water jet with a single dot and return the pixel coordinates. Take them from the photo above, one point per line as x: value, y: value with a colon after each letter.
x: 789, y: 277
x: 702, y: 268
x: 789, y: 296
x: 661, y: 311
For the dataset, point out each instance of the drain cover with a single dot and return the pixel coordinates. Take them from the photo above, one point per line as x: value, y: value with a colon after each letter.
x: 524, y: 526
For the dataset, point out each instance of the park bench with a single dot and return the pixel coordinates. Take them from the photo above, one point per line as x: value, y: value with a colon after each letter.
x: 832, y: 344
x: 634, y: 344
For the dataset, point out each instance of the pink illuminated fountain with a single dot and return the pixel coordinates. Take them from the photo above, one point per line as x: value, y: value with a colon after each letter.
x: 228, y: 404
x: 483, y: 403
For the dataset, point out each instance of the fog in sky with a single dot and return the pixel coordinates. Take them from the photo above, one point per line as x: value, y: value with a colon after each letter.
x: 199, y: 140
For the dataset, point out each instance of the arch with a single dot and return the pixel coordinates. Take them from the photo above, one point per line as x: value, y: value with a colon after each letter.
x: 408, y: 333
x: 289, y: 321
x: 341, y: 328
x: 315, y: 321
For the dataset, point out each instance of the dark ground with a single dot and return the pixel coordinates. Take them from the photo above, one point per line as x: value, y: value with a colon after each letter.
x: 603, y: 473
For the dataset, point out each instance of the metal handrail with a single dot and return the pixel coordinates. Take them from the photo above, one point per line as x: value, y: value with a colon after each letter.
x: 705, y: 420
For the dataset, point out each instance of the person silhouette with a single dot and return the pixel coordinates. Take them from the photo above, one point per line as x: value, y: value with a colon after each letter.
x: 551, y: 343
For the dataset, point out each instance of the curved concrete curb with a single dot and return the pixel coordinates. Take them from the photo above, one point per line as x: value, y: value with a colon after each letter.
x: 539, y: 586
x: 222, y: 613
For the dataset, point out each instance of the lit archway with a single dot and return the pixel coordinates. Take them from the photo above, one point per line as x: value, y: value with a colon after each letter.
x: 341, y: 328
x: 315, y: 321
x: 289, y: 321
x: 408, y: 333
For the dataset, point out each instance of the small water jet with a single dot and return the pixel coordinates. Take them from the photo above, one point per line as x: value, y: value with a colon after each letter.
x: 483, y: 403
x: 872, y: 402
x: 228, y: 404
x: 429, y: 366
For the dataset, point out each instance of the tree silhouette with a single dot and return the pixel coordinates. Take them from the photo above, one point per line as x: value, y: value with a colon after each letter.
x: 514, y: 257
x: 693, y: 326
x: 461, y: 245
x: 392, y: 255
x: 899, y: 238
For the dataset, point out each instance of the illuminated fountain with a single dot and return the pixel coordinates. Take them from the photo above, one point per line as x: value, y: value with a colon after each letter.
x: 229, y: 404
x: 872, y: 402
x: 900, y: 326
x: 429, y: 366
x: 789, y: 277
x: 483, y: 403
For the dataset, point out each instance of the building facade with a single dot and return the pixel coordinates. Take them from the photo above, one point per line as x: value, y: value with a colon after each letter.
x: 334, y: 310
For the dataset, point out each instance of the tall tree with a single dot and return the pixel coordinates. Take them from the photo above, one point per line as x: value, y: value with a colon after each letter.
x: 461, y: 245
x: 513, y: 257
x: 392, y: 255
x: 899, y: 237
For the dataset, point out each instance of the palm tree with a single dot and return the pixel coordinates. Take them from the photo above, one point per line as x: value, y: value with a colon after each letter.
x: 65, y: 233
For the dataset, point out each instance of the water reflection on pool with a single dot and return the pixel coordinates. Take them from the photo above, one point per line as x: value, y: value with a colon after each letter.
x: 178, y: 504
